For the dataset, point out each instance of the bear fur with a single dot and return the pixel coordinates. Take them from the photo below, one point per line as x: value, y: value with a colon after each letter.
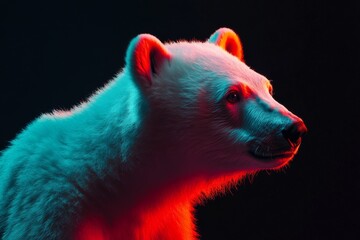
x: 182, y: 121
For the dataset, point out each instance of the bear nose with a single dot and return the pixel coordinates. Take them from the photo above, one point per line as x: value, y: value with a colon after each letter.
x: 294, y: 132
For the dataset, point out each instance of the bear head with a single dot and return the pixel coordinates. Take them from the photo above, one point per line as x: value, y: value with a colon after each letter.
x: 207, y: 112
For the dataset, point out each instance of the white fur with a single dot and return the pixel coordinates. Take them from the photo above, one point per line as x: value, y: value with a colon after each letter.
x: 128, y: 152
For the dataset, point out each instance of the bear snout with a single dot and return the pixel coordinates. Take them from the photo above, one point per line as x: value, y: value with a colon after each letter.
x: 283, y: 145
x: 294, y: 132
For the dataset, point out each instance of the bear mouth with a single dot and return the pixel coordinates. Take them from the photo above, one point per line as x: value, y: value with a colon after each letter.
x: 268, y: 153
x: 271, y: 156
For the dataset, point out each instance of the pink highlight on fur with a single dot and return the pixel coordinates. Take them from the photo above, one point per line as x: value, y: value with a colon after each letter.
x: 148, y: 54
x: 229, y: 41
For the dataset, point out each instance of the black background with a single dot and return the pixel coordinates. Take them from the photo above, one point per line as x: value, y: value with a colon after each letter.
x: 54, y: 54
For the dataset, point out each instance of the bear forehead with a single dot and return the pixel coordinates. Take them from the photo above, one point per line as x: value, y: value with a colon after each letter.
x: 209, y: 60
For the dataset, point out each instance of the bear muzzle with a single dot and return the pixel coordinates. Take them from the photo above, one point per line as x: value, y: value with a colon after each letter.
x: 282, y: 146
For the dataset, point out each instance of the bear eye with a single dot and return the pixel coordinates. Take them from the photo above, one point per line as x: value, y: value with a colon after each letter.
x: 233, y: 97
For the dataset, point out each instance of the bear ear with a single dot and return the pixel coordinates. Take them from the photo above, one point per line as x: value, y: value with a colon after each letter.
x: 229, y: 41
x: 144, y: 57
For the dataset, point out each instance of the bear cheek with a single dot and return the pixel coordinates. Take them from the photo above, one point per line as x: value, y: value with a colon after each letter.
x: 234, y: 114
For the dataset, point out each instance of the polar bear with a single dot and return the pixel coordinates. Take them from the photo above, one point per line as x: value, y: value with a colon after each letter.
x: 181, y: 122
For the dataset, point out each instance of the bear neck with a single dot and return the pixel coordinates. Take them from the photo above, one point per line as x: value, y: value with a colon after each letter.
x: 110, y: 120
